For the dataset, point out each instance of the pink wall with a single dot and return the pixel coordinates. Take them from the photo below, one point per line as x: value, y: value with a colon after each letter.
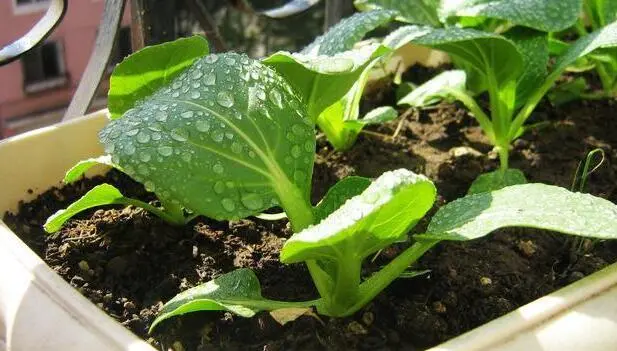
x: 77, y: 33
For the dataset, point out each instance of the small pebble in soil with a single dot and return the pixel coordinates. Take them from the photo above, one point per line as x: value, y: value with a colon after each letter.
x: 83, y: 265
x: 356, y: 328
x: 439, y: 307
x: 526, y: 247
x: 485, y: 281
x: 368, y: 318
x: 177, y: 346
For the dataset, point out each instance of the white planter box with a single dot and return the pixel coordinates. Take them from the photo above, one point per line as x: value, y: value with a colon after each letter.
x: 40, y: 311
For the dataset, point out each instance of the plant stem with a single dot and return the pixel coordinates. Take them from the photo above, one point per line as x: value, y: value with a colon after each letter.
x: 504, y: 152
x: 154, y: 210
x: 380, y: 280
x: 345, y: 291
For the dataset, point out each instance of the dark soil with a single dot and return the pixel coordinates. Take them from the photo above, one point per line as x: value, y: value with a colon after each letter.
x: 129, y: 263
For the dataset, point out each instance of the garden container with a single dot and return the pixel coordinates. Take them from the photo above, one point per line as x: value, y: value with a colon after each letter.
x: 40, y: 310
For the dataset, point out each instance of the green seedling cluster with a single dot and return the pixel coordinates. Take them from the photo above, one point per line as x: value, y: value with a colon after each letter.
x: 228, y: 137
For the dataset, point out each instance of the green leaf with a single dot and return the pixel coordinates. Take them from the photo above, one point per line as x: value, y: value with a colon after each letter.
x: 227, y: 138
x: 336, y: 196
x: 435, y: 89
x: 496, y: 180
x: 603, y: 38
x: 544, y: 15
x: 379, y: 115
x: 600, y: 12
x: 567, y: 92
x: 327, y: 69
x: 323, y: 80
x: 411, y: 11
x: 103, y: 194
x: 534, y: 47
x: 342, y: 133
x: 237, y: 291
x: 145, y: 71
x: 528, y: 205
x: 381, y: 215
x: 345, y: 34
x: 491, y: 55
x: 82, y: 167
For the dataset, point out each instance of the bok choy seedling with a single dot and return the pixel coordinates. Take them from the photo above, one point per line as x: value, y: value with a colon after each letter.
x: 335, y: 248
x: 228, y: 137
x: 514, y: 69
x: 332, y: 88
x: 596, y: 15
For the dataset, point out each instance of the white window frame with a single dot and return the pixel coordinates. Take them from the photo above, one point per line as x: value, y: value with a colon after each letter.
x: 30, y: 8
x: 54, y: 82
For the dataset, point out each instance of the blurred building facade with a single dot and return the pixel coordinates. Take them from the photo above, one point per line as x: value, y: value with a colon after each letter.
x: 36, y: 89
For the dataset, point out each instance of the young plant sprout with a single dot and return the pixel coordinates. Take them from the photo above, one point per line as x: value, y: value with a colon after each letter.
x: 335, y: 248
x: 513, y: 69
x: 331, y: 87
x: 228, y: 137
x: 596, y: 15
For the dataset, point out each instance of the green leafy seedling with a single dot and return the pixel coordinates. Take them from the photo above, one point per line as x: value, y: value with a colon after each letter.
x: 335, y: 248
x: 596, y: 15
x: 514, y: 67
x: 333, y: 94
x: 542, y: 15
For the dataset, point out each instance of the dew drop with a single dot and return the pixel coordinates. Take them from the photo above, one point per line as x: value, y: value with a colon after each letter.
x: 132, y: 132
x: 252, y: 201
x: 225, y: 99
x: 165, y: 150
x: 187, y: 114
x: 212, y: 58
x: 176, y: 85
x: 295, y: 151
x: 229, y: 135
x: 230, y: 61
x: 219, y: 187
x: 210, y: 79
x: 156, y: 136
x: 149, y: 186
x: 155, y: 127
x: 297, y: 129
x: 179, y: 134
x: 251, y: 154
x: 195, y: 94
x: 144, y: 157
x: 218, y: 168
x: 143, y: 137
x: 175, y: 94
x: 186, y: 157
x: 109, y: 148
x: 276, y: 98
x: 217, y: 136
x: 160, y: 116
x: 261, y: 95
x: 228, y: 204
x: 143, y: 169
x: 202, y: 126
x: 299, y: 176
x: 129, y: 149
x: 197, y: 74
x: 236, y: 147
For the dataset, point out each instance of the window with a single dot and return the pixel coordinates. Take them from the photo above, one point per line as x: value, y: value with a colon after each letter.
x: 30, y: 2
x: 28, y: 6
x: 43, y: 67
x: 122, y: 47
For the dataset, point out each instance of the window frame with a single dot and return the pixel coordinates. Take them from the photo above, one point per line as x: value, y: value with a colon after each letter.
x: 34, y: 6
